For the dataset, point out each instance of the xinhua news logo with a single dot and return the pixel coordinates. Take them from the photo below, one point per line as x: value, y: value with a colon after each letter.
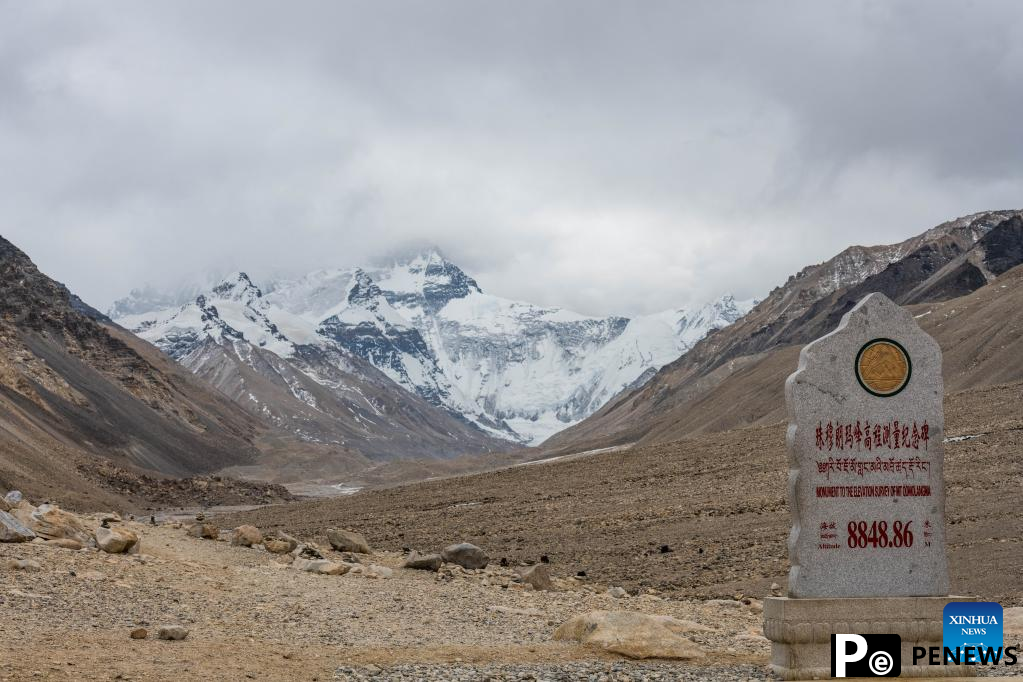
x: 866, y: 655
x: 974, y: 628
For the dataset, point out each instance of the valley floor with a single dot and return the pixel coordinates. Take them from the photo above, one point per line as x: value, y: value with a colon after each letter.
x: 251, y: 617
x: 700, y: 517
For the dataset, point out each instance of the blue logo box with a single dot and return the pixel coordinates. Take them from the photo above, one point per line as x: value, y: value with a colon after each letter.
x: 977, y: 624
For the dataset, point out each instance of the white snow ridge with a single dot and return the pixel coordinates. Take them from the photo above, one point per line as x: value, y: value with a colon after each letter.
x: 516, y: 370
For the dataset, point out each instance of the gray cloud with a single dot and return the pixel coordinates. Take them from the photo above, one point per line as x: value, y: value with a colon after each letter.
x: 608, y: 157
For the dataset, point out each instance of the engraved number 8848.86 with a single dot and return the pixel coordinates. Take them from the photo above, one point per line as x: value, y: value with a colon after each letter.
x: 878, y: 534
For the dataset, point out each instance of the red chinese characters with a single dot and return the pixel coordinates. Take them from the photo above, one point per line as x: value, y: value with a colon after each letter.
x: 865, y: 436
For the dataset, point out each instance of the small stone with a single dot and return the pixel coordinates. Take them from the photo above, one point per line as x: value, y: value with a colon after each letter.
x: 618, y: 592
x: 427, y: 562
x: 13, y: 498
x: 172, y: 632
x: 139, y: 633
x: 246, y: 536
x: 347, y: 541
x: 465, y: 555
x: 538, y: 576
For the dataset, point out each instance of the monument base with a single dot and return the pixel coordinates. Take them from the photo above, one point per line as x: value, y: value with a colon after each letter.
x: 800, y: 632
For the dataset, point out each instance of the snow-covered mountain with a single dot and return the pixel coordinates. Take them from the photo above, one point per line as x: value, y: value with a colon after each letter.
x: 512, y: 369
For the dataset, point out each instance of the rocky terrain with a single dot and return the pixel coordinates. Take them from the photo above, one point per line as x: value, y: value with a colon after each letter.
x: 75, y: 390
x: 247, y: 613
x: 705, y: 516
x: 104, y: 598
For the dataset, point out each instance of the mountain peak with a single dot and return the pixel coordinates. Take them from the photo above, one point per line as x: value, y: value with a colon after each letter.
x: 237, y: 287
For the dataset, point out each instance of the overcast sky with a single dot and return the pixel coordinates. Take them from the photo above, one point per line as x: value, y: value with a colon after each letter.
x: 609, y: 157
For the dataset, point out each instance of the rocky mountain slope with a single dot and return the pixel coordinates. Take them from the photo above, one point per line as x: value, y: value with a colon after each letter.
x: 507, y: 369
x: 728, y: 379
x: 74, y: 388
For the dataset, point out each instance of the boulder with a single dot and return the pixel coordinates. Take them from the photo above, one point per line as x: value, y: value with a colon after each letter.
x: 618, y: 592
x: 631, y: 634
x: 465, y: 555
x: 423, y: 562
x: 52, y: 523
x: 208, y: 531
x: 321, y: 566
x: 246, y: 536
x: 139, y: 633
x: 280, y: 545
x: 347, y: 541
x: 23, y: 512
x: 538, y: 576
x: 116, y: 540
x: 172, y: 632
x: 13, y: 530
x: 12, y: 499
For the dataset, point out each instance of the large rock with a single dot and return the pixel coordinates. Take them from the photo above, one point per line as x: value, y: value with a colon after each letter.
x: 12, y: 499
x: 538, y: 576
x: 347, y: 541
x: 321, y: 566
x: 465, y: 555
x: 208, y: 531
x: 281, y: 544
x: 13, y: 530
x: 116, y: 540
x: 246, y: 536
x: 427, y: 562
x: 51, y: 522
x: 636, y: 635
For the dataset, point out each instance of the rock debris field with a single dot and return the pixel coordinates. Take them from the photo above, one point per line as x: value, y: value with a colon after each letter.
x: 176, y: 605
x: 101, y: 598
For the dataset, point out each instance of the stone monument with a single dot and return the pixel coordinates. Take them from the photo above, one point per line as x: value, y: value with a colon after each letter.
x: 866, y: 490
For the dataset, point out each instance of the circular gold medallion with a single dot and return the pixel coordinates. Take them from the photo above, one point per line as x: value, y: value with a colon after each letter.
x: 883, y: 367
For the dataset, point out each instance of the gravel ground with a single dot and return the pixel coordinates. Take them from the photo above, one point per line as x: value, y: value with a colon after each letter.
x: 570, y: 672
x: 250, y: 617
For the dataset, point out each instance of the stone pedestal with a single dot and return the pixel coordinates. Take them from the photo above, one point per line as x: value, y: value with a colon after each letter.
x: 800, y: 632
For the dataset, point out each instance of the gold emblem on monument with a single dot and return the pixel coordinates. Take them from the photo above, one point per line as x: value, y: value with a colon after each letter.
x: 883, y: 367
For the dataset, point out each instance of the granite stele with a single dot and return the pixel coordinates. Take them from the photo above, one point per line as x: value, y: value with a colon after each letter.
x: 867, y: 546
